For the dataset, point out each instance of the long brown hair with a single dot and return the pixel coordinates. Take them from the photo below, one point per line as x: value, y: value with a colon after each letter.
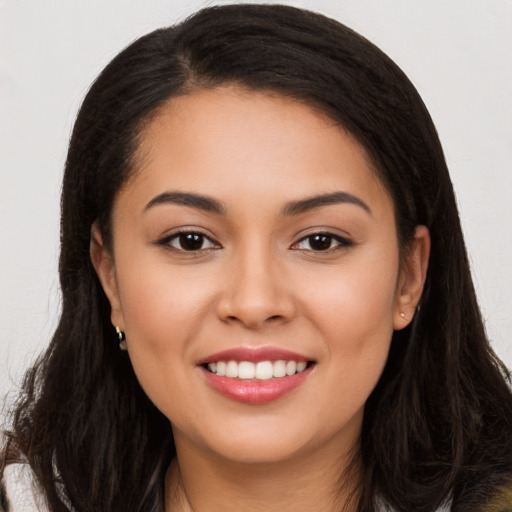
x: 439, y: 423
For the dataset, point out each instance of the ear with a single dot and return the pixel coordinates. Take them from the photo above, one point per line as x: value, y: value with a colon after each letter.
x: 103, y: 263
x: 413, y: 272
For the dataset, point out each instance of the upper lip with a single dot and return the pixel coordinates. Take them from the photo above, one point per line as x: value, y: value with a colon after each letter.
x: 254, y: 355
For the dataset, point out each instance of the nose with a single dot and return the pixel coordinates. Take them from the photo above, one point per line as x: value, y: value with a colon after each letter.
x: 257, y: 291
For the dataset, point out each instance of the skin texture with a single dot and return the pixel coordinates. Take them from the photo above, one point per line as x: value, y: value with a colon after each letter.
x: 257, y: 282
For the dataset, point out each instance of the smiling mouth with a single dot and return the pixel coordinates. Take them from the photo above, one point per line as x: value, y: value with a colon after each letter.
x: 262, y: 370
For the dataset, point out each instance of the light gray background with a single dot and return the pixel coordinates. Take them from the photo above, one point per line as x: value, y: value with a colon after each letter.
x: 457, y: 52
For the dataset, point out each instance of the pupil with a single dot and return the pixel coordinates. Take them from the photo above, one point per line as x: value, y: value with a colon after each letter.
x: 320, y: 242
x: 191, y: 241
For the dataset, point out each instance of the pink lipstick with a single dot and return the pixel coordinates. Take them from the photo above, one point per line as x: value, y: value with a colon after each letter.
x: 255, y: 375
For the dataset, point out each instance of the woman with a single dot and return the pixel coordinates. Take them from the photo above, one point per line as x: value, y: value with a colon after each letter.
x: 267, y: 303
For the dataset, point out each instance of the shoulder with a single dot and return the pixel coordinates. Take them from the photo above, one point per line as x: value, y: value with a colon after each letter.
x: 19, y: 492
x: 502, y: 500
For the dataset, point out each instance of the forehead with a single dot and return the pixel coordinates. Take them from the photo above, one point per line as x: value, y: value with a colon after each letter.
x: 231, y: 142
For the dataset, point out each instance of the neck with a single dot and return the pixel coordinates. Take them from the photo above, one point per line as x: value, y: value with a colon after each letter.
x: 199, y: 482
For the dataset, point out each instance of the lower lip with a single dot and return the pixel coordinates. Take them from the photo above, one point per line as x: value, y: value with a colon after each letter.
x: 255, y: 391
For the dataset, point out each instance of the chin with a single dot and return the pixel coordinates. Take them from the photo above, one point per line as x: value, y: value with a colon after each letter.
x: 272, y: 442
x: 256, y: 442
x: 263, y: 452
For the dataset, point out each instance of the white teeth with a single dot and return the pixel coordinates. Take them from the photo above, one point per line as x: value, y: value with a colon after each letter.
x: 279, y: 368
x: 263, y: 370
x: 291, y: 367
x: 301, y: 366
x: 232, y: 369
x: 221, y: 368
x: 246, y: 370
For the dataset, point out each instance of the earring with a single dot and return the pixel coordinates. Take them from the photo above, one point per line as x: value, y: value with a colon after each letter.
x: 402, y: 314
x: 122, y: 339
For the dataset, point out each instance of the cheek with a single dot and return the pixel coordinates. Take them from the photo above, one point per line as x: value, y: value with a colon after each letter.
x: 161, y: 303
x: 353, y: 308
x: 354, y: 304
x: 163, y: 310
x: 356, y: 323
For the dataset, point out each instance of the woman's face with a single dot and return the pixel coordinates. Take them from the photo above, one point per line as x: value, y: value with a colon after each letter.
x: 256, y: 239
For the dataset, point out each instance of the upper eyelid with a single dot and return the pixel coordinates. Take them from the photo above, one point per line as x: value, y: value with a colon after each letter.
x: 342, y: 238
x: 345, y: 237
x: 338, y: 238
x: 186, y: 229
x: 326, y: 233
x: 344, y: 241
x: 180, y: 231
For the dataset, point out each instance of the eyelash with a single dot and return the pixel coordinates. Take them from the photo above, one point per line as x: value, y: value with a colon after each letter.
x: 200, y: 238
x: 167, y: 241
x: 341, y: 242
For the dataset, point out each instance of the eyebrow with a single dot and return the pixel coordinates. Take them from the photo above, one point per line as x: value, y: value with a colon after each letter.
x: 311, y: 203
x: 196, y: 201
x: 208, y: 204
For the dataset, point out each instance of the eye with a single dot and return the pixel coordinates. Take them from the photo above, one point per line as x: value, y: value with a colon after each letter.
x: 189, y: 241
x: 321, y: 242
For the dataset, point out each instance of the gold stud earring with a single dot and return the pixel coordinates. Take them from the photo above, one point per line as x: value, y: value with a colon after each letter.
x: 122, y: 339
